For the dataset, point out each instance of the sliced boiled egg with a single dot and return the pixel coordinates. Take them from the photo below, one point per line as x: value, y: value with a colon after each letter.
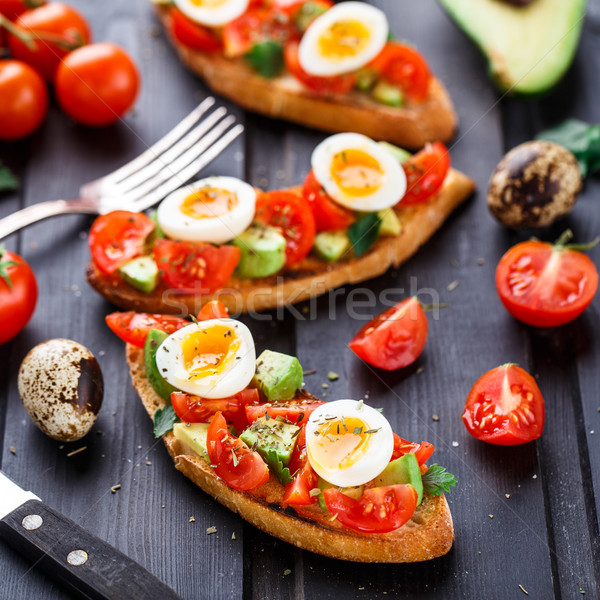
x: 211, y: 359
x: 358, y: 173
x: 348, y: 443
x: 215, y: 209
x: 343, y: 39
x: 212, y: 13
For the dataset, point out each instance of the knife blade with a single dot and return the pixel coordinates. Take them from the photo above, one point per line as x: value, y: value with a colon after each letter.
x: 86, y: 565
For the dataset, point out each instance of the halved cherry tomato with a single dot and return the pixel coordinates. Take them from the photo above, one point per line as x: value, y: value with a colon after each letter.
x: 194, y: 409
x: 425, y: 173
x: 214, y: 309
x: 291, y: 214
x: 11, y: 9
x: 395, y: 338
x: 405, y: 67
x: 117, y: 237
x: 292, y: 412
x: 195, y: 268
x: 133, y: 327
x: 545, y: 285
x: 378, y: 510
x: 338, y: 84
x: 191, y: 34
x: 329, y: 215
x: 421, y: 451
x: 235, y: 463
x: 305, y: 479
x: 56, y: 29
x: 505, y: 407
x: 254, y: 26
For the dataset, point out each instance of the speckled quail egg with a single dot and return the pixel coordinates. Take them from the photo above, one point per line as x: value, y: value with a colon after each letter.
x: 61, y: 387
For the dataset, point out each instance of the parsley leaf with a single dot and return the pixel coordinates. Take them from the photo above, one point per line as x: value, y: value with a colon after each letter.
x: 276, y: 466
x: 8, y: 181
x: 364, y: 232
x: 582, y: 139
x: 437, y: 480
x: 266, y: 58
x: 164, y: 419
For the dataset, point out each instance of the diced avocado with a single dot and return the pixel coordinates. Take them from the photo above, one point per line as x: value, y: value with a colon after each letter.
x: 390, y: 224
x: 307, y: 13
x: 194, y: 435
x: 331, y: 245
x: 161, y: 386
x: 141, y: 273
x: 277, y: 376
x: 365, y: 79
x: 354, y: 492
x: 263, y: 251
x: 388, y: 94
x: 158, y: 232
x: 398, y: 153
x: 274, y: 440
x: 528, y: 47
x: 403, y: 470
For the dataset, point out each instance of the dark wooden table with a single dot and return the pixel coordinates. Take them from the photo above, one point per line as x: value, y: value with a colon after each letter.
x: 526, y: 518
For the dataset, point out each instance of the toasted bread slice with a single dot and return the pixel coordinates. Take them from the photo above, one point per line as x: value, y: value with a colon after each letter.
x: 284, y: 97
x: 428, y: 534
x: 311, y: 277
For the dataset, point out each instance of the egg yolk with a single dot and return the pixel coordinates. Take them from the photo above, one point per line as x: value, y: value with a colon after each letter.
x: 340, y: 442
x: 208, y: 202
x: 209, y: 351
x: 356, y: 173
x: 344, y: 39
x: 211, y: 4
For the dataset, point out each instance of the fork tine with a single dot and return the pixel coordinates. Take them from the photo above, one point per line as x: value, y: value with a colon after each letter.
x: 186, y: 172
x: 163, y: 144
x: 165, y: 159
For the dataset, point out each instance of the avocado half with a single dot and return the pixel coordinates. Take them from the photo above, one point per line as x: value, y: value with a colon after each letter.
x: 528, y: 47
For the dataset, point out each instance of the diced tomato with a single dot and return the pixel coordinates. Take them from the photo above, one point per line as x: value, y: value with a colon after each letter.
x: 214, y: 309
x: 191, y: 34
x: 378, y: 510
x: 329, y: 215
x: 425, y: 173
x: 297, y: 492
x: 133, y: 327
x: 293, y: 216
x: 195, y: 268
x: 117, y: 237
x: 292, y: 412
x: 421, y: 451
x: 338, y: 84
x: 194, y: 409
x: 405, y: 67
x: 239, y: 467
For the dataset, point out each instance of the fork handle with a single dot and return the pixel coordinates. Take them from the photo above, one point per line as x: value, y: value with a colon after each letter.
x: 42, y: 210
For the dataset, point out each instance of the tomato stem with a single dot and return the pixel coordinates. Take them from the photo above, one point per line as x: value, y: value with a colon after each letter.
x: 4, y: 265
x: 430, y: 307
x: 567, y: 236
x: 29, y: 39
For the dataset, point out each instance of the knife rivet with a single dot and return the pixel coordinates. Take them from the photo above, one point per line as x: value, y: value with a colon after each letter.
x: 77, y: 557
x: 32, y: 522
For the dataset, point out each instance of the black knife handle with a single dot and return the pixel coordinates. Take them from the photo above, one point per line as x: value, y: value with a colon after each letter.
x: 82, y: 562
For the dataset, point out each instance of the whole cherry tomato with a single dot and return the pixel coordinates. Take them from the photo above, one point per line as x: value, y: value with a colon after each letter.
x: 23, y: 100
x: 11, y: 9
x: 97, y: 84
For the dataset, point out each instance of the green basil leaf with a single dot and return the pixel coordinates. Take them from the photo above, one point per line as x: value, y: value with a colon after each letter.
x: 364, y: 232
x: 164, y: 419
x: 8, y: 181
x: 581, y: 138
x: 266, y: 58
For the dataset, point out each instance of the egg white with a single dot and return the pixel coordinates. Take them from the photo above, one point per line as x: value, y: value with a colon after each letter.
x: 312, y: 59
x: 217, y: 230
x: 378, y: 452
x: 236, y: 376
x: 212, y: 16
x: 388, y: 194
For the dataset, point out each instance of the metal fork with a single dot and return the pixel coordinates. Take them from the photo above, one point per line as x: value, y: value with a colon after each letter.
x: 148, y: 178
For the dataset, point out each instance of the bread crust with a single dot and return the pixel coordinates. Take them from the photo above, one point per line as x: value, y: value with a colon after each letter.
x: 427, y: 535
x: 312, y: 277
x: 284, y: 97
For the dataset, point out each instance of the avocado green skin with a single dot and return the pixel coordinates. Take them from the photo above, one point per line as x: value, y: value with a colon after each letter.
x: 495, y: 26
x: 278, y: 376
x: 403, y: 470
x: 141, y: 273
x: 263, y: 252
x: 161, y: 386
